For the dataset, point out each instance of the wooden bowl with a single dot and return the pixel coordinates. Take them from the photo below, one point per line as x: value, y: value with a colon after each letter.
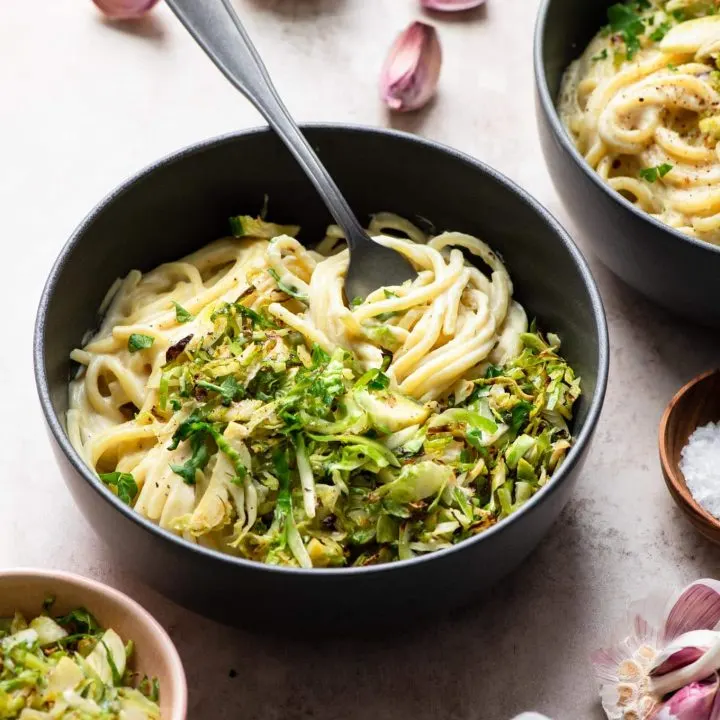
x: 24, y: 590
x: 695, y: 404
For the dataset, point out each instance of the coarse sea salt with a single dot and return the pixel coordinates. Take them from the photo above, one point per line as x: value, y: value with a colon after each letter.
x: 700, y: 464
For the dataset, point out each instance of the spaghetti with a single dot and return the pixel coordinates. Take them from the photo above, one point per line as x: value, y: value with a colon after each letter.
x: 643, y: 106
x: 233, y: 397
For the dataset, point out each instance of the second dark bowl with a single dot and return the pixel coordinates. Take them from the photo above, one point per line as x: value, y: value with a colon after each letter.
x: 182, y: 203
x: 672, y: 269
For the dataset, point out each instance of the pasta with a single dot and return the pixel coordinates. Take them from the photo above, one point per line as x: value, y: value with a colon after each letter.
x: 642, y: 104
x: 233, y: 397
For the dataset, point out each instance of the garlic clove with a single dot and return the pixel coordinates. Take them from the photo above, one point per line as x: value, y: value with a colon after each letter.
x: 705, y: 666
x: 410, y: 75
x: 451, y: 5
x: 696, y: 608
x: 677, y: 659
x: 693, y: 702
x: 683, y: 650
x: 125, y: 9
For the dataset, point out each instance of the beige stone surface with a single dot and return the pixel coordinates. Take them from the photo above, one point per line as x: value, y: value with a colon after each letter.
x: 83, y: 104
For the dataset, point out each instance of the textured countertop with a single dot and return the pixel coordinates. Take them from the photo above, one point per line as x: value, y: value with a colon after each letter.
x: 84, y: 104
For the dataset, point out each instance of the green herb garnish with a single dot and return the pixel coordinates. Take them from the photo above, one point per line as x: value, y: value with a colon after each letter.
x: 181, y: 314
x: 122, y: 484
x: 80, y: 622
x: 137, y: 341
x: 626, y: 23
x: 660, y: 31
x: 230, y: 389
x: 197, y: 461
x: 651, y: 174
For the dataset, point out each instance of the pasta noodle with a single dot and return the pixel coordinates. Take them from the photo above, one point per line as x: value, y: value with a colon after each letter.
x: 430, y: 339
x: 642, y: 104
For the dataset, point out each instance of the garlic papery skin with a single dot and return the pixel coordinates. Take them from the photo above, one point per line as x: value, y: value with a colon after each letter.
x: 451, y: 5
x: 697, y: 607
x: 411, y: 72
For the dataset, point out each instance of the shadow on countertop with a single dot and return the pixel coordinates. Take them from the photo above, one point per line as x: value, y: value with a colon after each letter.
x: 531, y: 625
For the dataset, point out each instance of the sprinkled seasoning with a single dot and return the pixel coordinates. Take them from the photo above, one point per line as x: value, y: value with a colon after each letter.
x: 700, y: 464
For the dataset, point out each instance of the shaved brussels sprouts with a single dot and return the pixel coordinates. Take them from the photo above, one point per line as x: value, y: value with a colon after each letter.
x: 306, y: 458
x: 69, y: 668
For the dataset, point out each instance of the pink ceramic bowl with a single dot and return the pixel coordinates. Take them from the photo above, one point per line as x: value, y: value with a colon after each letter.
x: 24, y: 589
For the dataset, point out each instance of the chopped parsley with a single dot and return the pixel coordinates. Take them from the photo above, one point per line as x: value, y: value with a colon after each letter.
x: 601, y: 55
x: 80, y: 622
x: 122, y: 484
x: 625, y: 22
x: 230, y: 389
x: 197, y: 461
x: 181, y: 314
x: 255, y: 318
x: 651, y: 174
x: 138, y: 341
x: 660, y: 31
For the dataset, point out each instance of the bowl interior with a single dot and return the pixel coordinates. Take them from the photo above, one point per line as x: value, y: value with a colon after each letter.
x: 568, y: 28
x: 183, y: 203
x: 696, y: 404
x: 154, y: 653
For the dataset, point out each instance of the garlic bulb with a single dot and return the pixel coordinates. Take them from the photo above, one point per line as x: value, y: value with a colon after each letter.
x: 666, y: 665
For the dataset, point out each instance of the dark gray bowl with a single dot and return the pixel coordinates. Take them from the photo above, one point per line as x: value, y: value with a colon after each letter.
x: 183, y: 202
x: 670, y: 268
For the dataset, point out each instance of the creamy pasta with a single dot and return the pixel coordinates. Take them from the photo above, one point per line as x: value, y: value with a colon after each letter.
x: 234, y: 398
x: 642, y: 104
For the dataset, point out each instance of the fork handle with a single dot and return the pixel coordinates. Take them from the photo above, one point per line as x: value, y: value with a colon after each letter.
x: 218, y: 30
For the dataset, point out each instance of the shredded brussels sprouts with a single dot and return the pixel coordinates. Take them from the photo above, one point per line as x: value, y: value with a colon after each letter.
x: 308, y: 461
x: 69, y: 668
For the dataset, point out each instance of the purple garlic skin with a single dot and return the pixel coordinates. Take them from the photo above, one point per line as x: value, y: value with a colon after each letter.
x: 677, y: 659
x: 451, y: 5
x: 696, y: 701
x: 697, y: 608
x: 125, y: 9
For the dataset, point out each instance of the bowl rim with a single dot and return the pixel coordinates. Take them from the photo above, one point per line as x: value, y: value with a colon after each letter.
x: 551, y: 113
x: 596, y: 401
x: 674, y: 477
x: 133, y: 608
